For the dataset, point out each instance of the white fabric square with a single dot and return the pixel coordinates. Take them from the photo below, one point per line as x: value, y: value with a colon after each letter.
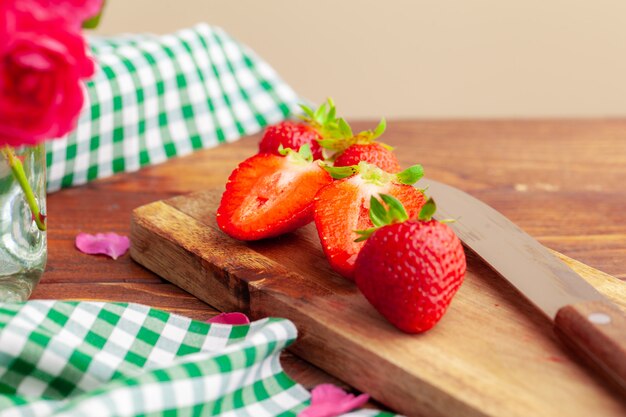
x: 32, y: 387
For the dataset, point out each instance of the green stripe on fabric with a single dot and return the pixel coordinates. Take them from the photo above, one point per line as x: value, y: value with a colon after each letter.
x: 266, y: 86
x: 186, y: 110
x: 118, y: 163
x: 215, y: 73
x: 233, y: 67
x: 208, y: 105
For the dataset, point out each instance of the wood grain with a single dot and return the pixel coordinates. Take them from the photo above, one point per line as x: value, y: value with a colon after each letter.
x: 560, y: 180
x: 468, y: 365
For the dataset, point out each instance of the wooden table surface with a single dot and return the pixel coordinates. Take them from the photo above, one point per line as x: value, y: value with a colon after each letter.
x: 560, y: 180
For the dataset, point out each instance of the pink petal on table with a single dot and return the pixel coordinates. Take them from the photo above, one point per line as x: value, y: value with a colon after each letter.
x: 328, y: 400
x: 230, y: 318
x: 110, y: 244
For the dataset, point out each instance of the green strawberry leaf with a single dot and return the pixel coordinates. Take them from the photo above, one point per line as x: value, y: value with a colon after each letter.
x: 332, y: 113
x: 378, y: 213
x: 396, y: 209
x: 341, y: 172
x: 344, y: 128
x: 333, y: 144
x: 307, y: 110
x: 381, y: 216
x: 427, y: 211
x: 320, y: 112
x: 365, y: 234
x: 411, y: 175
x: 304, y: 154
x: 380, y: 129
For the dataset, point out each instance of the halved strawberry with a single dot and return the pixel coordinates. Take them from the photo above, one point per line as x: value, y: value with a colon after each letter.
x: 315, y: 126
x: 342, y: 207
x: 268, y: 195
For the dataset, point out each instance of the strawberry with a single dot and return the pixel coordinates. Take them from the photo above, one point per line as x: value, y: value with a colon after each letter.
x: 409, y: 271
x: 316, y: 125
x: 290, y: 134
x: 268, y: 195
x: 350, y: 149
x: 342, y: 207
x: 373, y: 153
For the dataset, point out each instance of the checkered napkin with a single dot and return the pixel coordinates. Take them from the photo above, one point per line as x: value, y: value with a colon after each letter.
x: 93, y: 359
x: 157, y: 97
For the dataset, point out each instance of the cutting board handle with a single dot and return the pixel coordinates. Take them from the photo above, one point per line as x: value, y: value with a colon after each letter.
x: 597, y: 330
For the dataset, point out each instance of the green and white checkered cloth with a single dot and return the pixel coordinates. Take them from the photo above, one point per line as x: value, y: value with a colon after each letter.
x: 157, y: 97
x: 91, y: 359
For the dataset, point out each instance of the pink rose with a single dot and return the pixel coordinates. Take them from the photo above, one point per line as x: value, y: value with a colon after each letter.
x: 73, y: 12
x: 43, y: 60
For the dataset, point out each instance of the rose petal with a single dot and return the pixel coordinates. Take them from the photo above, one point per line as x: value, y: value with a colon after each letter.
x: 328, y: 400
x: 233, y: 319
x: 110, y: 244
x: 72, y: 12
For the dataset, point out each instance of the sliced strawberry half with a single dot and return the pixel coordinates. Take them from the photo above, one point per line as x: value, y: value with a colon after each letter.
x: 341, y: 208
x: 268, y: 195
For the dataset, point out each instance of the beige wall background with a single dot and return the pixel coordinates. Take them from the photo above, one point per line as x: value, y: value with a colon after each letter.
x: 422, y: 58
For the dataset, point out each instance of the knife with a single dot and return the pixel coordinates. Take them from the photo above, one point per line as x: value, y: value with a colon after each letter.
x: 583, y: 318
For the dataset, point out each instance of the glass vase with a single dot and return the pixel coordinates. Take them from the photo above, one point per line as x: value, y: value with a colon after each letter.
x: 23, y: 247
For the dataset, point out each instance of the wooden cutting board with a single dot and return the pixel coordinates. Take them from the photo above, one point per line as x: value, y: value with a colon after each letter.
x: 492, y: 354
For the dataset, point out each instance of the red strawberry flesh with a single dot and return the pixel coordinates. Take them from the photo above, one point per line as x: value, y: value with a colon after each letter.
x: 269, y: 195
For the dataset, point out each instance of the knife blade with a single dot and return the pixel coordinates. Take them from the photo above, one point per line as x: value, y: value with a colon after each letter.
x: 583, y: 317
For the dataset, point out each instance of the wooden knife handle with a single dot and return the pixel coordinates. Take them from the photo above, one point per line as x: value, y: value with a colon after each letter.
x: 596, y: 329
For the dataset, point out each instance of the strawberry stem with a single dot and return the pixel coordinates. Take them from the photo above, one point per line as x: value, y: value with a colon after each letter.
x: 344, y: 137
x: 18, y: 173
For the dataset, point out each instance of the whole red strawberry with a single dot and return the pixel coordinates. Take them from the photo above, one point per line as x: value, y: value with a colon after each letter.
x: 289, y: 134
x: 343, y: 206
x: 374, y: 153
x: 316, y: 125
x: 268, y: 195
x: 410, y: 271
